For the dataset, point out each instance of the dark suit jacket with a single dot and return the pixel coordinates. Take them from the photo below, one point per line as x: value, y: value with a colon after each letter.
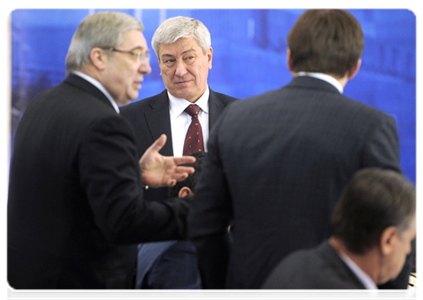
x: 316, y: 268
x: 75, y: 207
x: 279, y: 162
x: 150, y: 118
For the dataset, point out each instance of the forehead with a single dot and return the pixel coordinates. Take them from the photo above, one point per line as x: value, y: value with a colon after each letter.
x: 133, y: 39
x: 179, y: 47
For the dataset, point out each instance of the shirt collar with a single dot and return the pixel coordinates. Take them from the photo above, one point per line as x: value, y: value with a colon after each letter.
x: 177, y: 105
x: 362, y: 276
x: 324, y: 77
x: 98, y: 85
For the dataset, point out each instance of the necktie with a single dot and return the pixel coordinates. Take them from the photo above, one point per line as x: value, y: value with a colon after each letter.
x: 194, y: 138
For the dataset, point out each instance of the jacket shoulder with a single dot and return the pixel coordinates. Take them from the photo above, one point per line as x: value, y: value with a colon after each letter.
x: 135, y: 107
x: 223, y: 98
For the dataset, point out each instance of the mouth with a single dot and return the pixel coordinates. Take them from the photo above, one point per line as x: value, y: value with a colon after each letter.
x: 182, y: 82
x: 137, y: 84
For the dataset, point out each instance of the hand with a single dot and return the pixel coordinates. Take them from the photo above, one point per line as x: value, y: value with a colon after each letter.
x: 158, y: 170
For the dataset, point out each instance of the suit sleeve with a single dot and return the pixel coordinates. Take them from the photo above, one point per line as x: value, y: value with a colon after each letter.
x: 110, y: 176
x: 382, y: 147
x: 383, y: 151
x: 209, y: 218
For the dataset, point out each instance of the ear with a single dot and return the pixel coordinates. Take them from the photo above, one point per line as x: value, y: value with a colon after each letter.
x: 210, y: 57
x: 388, y: 240
x: 355, y: 69
x: 289, y: 59
x: 185, y: 192
x: 98, y: 58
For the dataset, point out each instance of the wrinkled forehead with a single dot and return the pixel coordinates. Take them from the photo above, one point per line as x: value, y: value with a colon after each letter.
x: 180, y: 47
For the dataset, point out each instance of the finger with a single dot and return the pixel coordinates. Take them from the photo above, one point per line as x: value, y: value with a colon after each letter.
x: 175, y: 179
x: 159, y: 143
x: 172, y: 182
x: 178, y: 177
x: 181, y: 169
x: 184, y: 160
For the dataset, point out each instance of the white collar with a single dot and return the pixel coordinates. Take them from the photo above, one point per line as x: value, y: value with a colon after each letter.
x: 98, y: 85
x: 362, y: 276
x: 324, y: 77
x: 177, y: 105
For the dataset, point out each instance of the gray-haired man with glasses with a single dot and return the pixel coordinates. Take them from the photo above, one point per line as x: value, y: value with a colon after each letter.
x: 141, y: 56
x: 75, y: 207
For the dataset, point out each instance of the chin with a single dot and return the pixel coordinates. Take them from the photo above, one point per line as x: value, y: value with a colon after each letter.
x: 382, y: 281
x: 124, y: 102
x: 132, y: 97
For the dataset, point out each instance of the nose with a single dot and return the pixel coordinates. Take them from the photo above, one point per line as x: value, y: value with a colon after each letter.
x: 145, y: 67
x: 180, y: 69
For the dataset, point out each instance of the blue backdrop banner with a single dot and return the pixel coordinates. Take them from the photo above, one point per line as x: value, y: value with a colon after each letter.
x: 249, y: 57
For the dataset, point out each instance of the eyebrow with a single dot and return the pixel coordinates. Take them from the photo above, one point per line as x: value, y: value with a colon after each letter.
x: 189, y: 50
x: 171, y: 55
x: 140, y: 48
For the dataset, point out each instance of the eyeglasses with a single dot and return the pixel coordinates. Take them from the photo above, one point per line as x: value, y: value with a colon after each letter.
x: 141, y: 57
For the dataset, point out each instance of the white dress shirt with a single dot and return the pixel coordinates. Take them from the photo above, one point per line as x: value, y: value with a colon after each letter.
x: 361, y: 275
x: 324, y: 77
x: 180, y: 120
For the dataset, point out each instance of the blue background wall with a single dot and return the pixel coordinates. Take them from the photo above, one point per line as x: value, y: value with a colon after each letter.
x: 249, y: 57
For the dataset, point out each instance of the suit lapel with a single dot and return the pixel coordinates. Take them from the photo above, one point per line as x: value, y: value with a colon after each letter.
x: 215, y: 106
x: 158, y: 118
x: 158, y: 121
x: 81, y: 83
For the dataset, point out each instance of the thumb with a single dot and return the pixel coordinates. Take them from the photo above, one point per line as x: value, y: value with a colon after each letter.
x: 159, y: 143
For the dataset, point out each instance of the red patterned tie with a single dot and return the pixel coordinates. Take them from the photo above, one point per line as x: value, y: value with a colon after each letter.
x: 194, y: 138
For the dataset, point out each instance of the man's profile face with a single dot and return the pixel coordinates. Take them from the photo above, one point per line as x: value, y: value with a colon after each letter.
x: 184, y: 68
x: 124, y: 74
x: 393, y: 264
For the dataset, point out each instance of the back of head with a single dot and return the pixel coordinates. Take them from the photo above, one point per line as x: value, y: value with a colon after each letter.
x: 372, y: 201
x: 192, y: 179
x: 326, y: 41
x: 102, y: 29
x: 175, y: 28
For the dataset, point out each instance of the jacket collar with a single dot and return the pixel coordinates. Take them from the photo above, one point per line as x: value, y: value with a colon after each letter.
x: 314, y: 83
x: 88, y: 87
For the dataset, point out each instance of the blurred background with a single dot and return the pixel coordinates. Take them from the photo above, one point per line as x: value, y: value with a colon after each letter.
x: 249, y: 57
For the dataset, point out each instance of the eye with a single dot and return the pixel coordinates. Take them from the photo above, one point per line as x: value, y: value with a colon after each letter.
x: 169, y: 61
x: 137, y: 55
x: 189, y: 59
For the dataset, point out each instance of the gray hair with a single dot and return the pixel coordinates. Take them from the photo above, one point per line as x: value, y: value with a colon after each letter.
x: 102, y: 29
x: 175, y: 28
x: 372, y: 201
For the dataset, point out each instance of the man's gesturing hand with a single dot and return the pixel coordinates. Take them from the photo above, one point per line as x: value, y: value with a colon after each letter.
x: 158, y: 170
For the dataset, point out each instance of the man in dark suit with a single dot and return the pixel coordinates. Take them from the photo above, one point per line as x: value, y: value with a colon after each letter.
x: 183, y: 48
x: 372, y: 228
x: 156, y: 263
x: 75, y: 207
x: 278, y: 161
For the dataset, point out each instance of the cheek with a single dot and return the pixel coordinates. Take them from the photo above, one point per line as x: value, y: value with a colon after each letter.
x: 164, y: 74
x: 130, y: 76
x: 399, y: 261
x: 203, y: 71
